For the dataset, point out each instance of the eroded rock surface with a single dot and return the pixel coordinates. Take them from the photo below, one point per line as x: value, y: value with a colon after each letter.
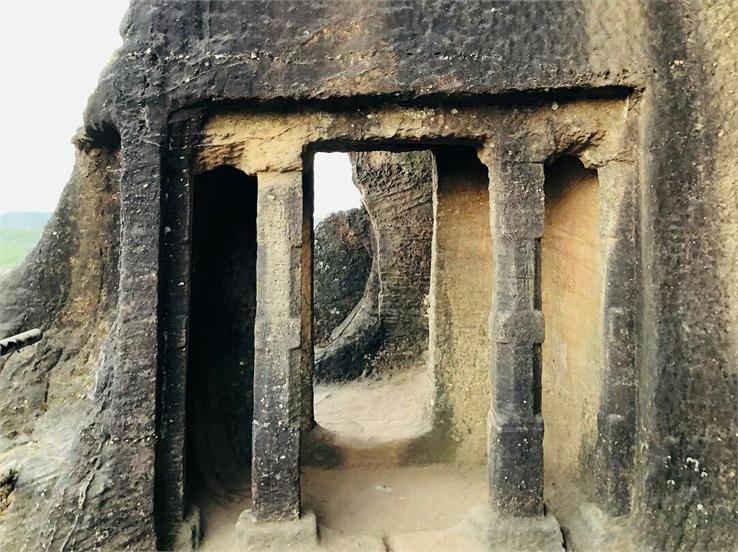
x: 342, y: 263
x: 398, y: 194
x: 388, y: 327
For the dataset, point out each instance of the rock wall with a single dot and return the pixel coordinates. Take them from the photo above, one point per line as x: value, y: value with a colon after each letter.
x: 68, y: 287
x: 571, y: 297
x: 342, y: 262
x: 398, y: 193
x: 388, y: 328
x: 461, y: 297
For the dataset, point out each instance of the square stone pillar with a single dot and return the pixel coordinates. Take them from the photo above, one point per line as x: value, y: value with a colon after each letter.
x: 516, y: 333
x: 278, y: 351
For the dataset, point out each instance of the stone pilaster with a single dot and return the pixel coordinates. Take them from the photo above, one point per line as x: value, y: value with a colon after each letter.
x: 174, y: 313
x: 616, y: 421
x: 278, y: 351
x: 516, y: 333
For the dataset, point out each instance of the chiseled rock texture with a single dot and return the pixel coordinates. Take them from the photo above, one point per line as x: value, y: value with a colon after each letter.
x: 342, y: 261
x: 78, y: 410
x: 388, y: 328
x: 398, y: 193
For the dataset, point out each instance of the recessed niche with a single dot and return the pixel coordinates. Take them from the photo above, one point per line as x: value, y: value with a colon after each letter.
x: 571, y: 286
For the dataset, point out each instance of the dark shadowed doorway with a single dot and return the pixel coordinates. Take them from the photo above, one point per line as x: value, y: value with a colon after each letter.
x: 220, y: 371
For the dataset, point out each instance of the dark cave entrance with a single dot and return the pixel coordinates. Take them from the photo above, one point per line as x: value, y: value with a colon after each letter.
x: 220, y: 363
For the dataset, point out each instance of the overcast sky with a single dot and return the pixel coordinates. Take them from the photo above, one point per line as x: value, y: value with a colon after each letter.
x: 51, y: 55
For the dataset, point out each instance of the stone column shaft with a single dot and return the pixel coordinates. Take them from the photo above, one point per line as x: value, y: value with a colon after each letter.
x: 516, y: 332
x: 278, y: 354
x: 616, y: 421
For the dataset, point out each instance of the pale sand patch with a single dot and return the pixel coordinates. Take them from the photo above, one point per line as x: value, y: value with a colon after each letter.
x: 370, y: 412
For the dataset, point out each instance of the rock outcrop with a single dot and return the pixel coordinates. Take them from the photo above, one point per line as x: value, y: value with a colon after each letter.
x: 81, y: 413
x: 388, y: 328
x: 342, y: 263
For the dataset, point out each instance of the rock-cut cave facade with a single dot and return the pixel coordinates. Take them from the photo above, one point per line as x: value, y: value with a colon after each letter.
x: 579, y: 222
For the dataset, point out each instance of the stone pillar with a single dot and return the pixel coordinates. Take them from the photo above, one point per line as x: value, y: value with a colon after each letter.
x: 516, y: 331
x: 617, y: 417
x: 278, y: 352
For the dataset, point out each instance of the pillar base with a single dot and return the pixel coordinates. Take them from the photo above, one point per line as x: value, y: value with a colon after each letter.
x: 300, y: 534
x: 524, y: 534
x: 516, y: 468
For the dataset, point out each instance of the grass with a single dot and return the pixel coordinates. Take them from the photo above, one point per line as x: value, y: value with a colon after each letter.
x: 15, y: 244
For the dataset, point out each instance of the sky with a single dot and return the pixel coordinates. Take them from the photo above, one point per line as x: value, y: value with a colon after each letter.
x: 333, y: 189
x: 51, y: 55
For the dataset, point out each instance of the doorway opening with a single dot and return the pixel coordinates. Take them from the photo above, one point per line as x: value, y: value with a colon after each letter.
x: 371, y: 279
x: 220, y: 363
x: 571, y: 291
x: 398, y: 453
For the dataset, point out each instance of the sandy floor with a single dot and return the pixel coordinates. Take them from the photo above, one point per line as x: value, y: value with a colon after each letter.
x: 375, y: 501
x: 394, y: 507
x: 370, y: 412
x: 219, y: 519
x: 403, y: 509
x: 384, y: 507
